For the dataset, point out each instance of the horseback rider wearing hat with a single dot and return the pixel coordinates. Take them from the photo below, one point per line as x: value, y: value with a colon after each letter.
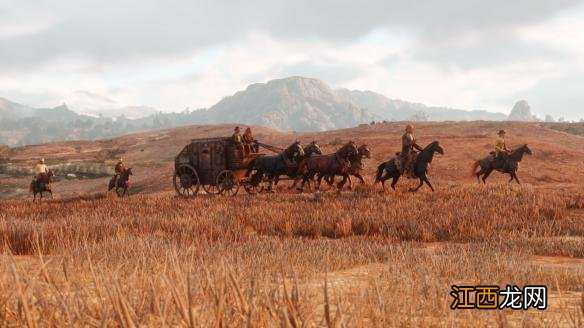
x: 40, y: 170
x: 407, y: 152
x: 120, y: 168
x: 500, y: 148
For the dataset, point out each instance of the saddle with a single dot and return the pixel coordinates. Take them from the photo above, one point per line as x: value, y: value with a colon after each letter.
x: 408, y: 171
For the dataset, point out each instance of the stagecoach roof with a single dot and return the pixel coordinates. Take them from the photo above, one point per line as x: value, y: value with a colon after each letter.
x: 215, y: 139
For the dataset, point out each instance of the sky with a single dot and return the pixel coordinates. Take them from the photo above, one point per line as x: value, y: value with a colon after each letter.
x: 172, y: 55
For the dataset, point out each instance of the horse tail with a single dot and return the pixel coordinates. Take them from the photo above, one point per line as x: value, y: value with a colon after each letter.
x: 380, y: 169
x: 475, y: 165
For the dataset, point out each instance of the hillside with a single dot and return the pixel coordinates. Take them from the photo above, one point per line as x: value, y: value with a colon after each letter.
x: 400, y: 110
x: 556, y: 154
x: 290, y: 104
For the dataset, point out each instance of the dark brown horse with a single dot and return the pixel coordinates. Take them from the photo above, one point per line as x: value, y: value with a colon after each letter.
x: 355, y: 169
x: 324, y: 165
x: 389, y: 169
x: 311, y: 149
x: 272, y: 167
x: 42, y: 184
x: 123, y: 183
x: 507, y: 164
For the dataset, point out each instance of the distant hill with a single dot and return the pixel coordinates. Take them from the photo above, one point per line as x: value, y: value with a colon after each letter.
x: 288, y: 104
x: 295, y: 103
x: 23, y: 125
x: 521, y: 112
x: 12, y: 110
x: 399, y: 110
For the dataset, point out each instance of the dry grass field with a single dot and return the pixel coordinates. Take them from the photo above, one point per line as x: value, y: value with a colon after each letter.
x: 356, y: 258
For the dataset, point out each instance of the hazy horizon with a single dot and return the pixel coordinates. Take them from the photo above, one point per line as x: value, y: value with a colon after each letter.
x: 97, y: 55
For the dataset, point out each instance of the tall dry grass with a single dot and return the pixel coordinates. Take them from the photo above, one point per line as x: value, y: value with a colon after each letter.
x: 354, y: 259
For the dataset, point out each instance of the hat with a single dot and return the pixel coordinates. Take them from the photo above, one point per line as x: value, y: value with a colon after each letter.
x: 501, y: 132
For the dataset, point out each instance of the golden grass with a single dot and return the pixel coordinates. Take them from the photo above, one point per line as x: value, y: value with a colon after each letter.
x: 350, y: 259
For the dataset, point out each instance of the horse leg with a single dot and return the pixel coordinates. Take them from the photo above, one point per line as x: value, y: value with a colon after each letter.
x: 427, y: 181
x: 358, y: 176
x: 271, y: 179
x: 319, y: 181
x: 486, y: 175
x: 330, y: 179
x: 382, y: 179
x: 419, y: 186
x: 342, y: 182
x: 394, y: 180
x: 478, y: 174
x: 514, y: 176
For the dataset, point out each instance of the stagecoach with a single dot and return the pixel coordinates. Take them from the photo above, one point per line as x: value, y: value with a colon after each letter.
x: 217, y: 165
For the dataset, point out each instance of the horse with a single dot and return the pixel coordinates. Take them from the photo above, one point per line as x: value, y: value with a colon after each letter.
x: 324, y: 165
x: 421, y: 163
x: 273, y: 167
x: 508, y: 164
x: 123, y: 182
x: 355, y: 169
x: 311, y: 149
x: 42, y: 184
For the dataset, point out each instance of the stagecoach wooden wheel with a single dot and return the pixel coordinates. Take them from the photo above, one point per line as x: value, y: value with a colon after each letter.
x: 252, y: 189
x: 211, y: 190
x: 186, y: 181
x: 227, y: 183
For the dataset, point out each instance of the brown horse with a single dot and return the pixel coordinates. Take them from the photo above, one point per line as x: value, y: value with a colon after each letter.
x: 123, y: 183
x: 507, y: 164
x: 355, y: 169
x: 42, y: 184
x: 324, y: 165
x: 388, y: 170
x: 272, y: 167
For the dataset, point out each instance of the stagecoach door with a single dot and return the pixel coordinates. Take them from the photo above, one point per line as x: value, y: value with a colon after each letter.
x: 205, y: 163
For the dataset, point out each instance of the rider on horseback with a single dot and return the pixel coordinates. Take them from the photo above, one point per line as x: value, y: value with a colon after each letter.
x: 119, y: 169
x: 407, y: 153
x: 40, y: 171
x: 500, y: 148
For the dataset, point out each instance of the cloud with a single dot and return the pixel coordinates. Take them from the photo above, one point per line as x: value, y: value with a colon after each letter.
x: 174, y: 54
x: 125, y: 29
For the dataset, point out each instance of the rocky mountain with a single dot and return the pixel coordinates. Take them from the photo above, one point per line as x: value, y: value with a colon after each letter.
x: 290, y: 104
x: 399, y: 110
x: 12, y: 110
x: 23, y: 125
x: 521, y: 112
